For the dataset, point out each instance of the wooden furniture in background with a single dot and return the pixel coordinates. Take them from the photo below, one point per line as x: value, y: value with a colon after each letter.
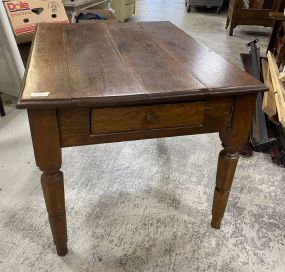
x: 204, y: 3
x: 238, y: 15
x: 256, y: 4
x: 277, y: 39
x: 277, y: 87
x: 273, y: 101
x: 134, y: 81
x: 269, y: 102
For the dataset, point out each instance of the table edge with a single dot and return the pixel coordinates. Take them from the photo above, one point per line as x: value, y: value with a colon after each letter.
x: 140, y: 99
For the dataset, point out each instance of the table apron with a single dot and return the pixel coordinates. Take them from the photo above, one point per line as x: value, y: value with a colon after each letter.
x: 75, y: 124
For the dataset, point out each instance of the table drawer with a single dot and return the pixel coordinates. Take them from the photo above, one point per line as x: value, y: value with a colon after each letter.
x: 123, y: 119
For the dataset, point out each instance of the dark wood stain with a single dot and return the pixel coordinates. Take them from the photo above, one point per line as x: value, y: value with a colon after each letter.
x: 123, y: 119
x: 76, y: 124
x: 112, y: 64
x: 100, y: 83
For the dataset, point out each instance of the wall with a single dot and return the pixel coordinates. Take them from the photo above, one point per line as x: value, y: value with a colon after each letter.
x: 11, y: 65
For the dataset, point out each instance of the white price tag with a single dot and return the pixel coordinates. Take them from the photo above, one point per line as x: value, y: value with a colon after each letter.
x: 40, y: 94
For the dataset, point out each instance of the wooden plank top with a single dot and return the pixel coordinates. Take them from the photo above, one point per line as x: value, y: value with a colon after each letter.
x: 131, y: 63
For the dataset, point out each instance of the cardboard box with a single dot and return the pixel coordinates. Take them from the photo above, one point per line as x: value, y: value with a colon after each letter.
x: 106, y: 13
x: 25, y: 15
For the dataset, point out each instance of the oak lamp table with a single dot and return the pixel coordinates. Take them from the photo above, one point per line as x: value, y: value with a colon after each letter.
x: 107, y: 82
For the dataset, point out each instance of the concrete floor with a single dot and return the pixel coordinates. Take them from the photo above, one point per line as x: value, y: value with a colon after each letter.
x: 145, y: 205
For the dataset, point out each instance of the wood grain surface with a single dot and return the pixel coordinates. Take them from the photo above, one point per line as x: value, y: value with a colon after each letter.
x: 122, y: 119
x: 99, y: 83
x: 110, y: 64
x: 75, y: 125
x: 47, y: 68
x: 47, y: 150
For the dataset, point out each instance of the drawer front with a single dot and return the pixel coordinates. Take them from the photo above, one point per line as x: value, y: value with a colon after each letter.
x: 124, y: 119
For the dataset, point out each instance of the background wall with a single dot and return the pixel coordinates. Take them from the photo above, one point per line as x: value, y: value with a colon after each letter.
x: 11, y: 65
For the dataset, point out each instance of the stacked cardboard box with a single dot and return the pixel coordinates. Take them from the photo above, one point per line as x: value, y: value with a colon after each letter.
x: 25, y: 15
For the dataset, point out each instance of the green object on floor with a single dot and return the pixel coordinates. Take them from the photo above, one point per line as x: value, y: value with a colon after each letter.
x: 124, y: 9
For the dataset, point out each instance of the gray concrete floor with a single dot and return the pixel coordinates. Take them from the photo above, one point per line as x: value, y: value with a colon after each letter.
x: 145, y: 205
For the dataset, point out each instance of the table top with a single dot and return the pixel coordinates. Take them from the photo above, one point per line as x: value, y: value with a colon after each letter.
x: 110, y: 64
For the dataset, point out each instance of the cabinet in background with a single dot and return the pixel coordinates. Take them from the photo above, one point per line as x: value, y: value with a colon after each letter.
x: 204, y: 3
x: 124, y: 9
x: 257, y: 13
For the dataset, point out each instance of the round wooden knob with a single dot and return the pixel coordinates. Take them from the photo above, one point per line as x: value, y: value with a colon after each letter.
x: 151, y: 117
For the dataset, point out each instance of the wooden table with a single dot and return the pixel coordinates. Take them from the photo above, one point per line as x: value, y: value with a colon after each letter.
x: 256, y: 14
x: 104, y: 82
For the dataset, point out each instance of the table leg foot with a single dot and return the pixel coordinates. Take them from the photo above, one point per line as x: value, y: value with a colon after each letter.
x: 61, y: 251
x: 53, y: 190
x: 226, y: 169
x: 216, y: 224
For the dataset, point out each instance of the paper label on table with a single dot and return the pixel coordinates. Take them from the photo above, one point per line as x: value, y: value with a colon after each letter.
x: 40, y: 94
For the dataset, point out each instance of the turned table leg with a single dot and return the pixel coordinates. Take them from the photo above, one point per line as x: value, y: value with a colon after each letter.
x: 228, y: 22
x: 225, y: 173
x: 45, y: 137
x: 235, y: 135
x: 231, y: 31
x: 2, y: 110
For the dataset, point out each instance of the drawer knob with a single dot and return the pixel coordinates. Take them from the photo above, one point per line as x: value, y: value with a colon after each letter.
x: 151, y: 117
